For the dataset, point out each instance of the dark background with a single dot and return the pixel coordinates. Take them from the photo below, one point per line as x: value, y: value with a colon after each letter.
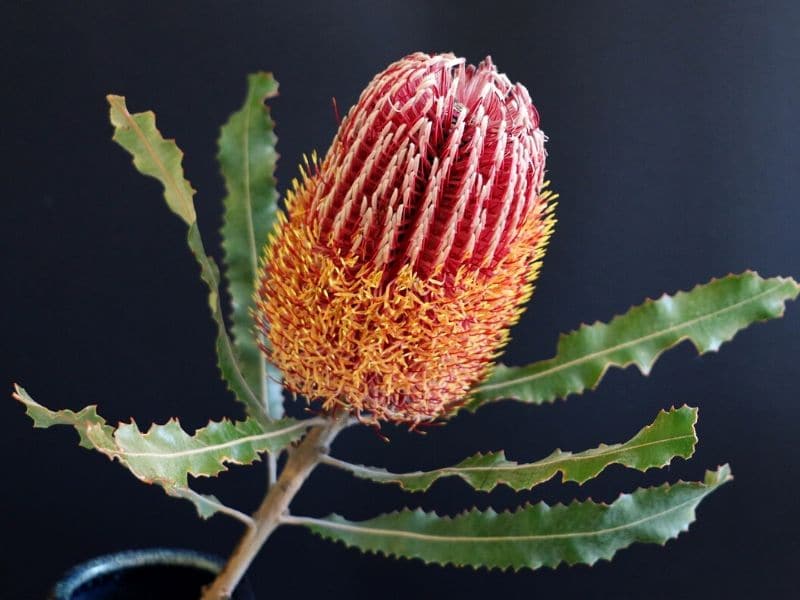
x: 673, y: 142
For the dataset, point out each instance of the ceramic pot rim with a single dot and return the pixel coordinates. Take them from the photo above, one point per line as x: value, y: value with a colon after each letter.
x: 119, y: 561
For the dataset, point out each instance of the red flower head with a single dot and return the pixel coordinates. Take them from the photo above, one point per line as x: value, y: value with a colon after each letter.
x: 390, y: 284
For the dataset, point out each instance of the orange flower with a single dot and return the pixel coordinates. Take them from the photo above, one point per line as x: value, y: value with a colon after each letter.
x: 403, y: 259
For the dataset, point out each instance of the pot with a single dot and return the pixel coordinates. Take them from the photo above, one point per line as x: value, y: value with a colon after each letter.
x: 154, y: 574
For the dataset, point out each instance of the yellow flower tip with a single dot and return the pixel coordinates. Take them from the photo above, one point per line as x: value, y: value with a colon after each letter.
x: 405, y: 256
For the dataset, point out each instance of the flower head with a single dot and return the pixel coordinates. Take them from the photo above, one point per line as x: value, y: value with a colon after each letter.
x: 390, y: 284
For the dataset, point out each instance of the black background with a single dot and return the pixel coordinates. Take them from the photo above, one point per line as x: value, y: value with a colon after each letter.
x: 673, y: 142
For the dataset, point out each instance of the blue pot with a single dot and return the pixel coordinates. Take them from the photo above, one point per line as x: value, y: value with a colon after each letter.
x: 152, y: 574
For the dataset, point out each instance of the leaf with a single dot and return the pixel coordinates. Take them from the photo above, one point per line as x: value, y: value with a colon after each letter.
x: 82, y: 420
x: 166, y: 454
x: 708, y: 316
x: 153, y: 155
x: 226, y: 356
x: 671, y: 434
x: 247, y: 157
x: 531, y: 537
x: 206, y: 505
x: 160, y: 158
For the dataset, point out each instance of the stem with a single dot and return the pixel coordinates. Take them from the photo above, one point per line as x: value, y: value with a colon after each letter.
x: 272, y: 468
x: 301, y: 462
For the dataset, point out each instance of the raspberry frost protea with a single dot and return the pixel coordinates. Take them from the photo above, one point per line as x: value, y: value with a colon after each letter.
x: 405, y: 256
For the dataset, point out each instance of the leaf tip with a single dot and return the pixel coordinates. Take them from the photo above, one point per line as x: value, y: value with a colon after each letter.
x: 721, y: 475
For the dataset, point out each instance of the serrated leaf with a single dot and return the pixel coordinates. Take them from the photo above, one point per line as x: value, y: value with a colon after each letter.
x: 227, y: 360
x: 672, y: 434
x: 533, y: 536
x: 708, y: 316
x: 166, y: 454
x: 154, y: 156
x: 247, y: 157
x: 82, y: 420
x: 206, y: 505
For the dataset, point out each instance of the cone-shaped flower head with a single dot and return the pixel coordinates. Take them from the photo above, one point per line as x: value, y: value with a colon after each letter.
x: 390, y: 284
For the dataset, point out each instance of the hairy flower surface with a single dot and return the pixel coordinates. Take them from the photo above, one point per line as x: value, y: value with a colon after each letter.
x: 390, y: 284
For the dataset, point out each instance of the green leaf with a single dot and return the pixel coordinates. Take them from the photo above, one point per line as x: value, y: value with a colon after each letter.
x: 531, y: 537
x: 708, y: 316
x: 166, y: 454
x: 160, y: 158
x: 671, y: 434
x: 153, y: 155
x: 83, y: 420
x: 226, y: 355
x: 247, y: 157
x: 206, y: 505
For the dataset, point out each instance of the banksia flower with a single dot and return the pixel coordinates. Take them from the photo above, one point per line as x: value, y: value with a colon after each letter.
x: 389, y: 285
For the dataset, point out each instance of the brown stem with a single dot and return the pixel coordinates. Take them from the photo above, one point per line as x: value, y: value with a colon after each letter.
x: 301, y: 462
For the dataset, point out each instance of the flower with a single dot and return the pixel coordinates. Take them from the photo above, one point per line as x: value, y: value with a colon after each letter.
x: 390, y: 284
